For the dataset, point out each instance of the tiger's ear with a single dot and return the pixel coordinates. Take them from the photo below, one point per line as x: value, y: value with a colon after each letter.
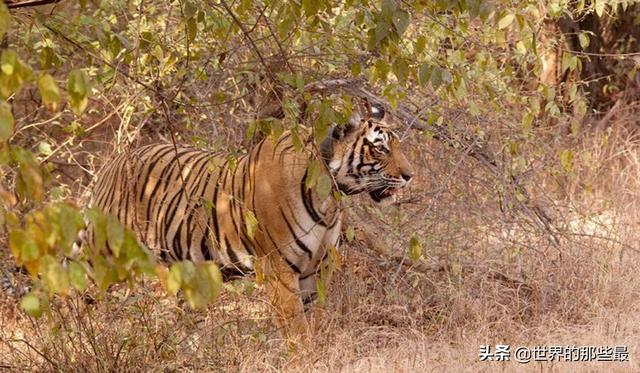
x: 362, y: 111
x: 367, y: 110
x: 377, y: 111
x: 339, y: 132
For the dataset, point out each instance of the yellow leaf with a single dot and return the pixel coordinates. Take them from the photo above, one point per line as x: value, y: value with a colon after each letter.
x: 415, y: 248
x: 566, y: 160
x: 505, y: 21
x: 599, y: 7
x: 30, y: 303
x: 49, y: 91
x: 6, y: 121
x: 5, y: 18
x: 251, y: 223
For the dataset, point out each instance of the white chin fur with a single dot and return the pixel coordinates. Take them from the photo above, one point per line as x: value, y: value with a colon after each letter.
x: 387, y: 201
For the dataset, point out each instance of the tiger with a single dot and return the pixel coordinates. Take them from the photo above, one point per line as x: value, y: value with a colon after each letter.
x: 186, y: 203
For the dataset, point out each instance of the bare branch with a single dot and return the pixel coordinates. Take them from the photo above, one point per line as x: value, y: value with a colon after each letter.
x: 14, y: 4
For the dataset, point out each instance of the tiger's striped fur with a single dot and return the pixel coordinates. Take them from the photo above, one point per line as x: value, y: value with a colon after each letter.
x: 188, y: 203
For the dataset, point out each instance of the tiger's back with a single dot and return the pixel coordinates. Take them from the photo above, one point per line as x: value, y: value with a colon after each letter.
x: 187, y: 203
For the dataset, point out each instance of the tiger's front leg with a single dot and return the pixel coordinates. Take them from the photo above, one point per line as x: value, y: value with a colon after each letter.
x: 283, y: 289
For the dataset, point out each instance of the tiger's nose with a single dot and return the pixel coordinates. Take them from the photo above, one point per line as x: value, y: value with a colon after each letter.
x: 407, y: 176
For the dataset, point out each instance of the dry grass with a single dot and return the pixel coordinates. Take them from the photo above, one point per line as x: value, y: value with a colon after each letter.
x: 488, y: 276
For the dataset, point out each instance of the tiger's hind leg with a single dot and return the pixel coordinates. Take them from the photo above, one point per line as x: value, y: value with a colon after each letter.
x: 283, y: 290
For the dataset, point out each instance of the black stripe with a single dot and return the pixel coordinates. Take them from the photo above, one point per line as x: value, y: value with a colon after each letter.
x: 233, y: 257
x: 284, y: 151
x: 280, y: 141
x: 307, y: 276
x: 110, y: 192
x: 299, y: 242
x: 253, y: 196
x: 194, y: 196
x: 177, y: 245
x: 308, y: 204
x: 295, y: 219
x: 155, y: 158
x: 175, y: 164
x: 214, y: 212
x: 293, y: 266
x: 204, y: 247
x: 168, y: 219
x: 177, y: 199
x: 166, y: 182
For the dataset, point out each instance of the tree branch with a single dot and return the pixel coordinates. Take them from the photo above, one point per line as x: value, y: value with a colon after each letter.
x: 14, y: 4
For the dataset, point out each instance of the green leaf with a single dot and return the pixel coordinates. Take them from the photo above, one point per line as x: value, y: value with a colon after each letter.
x: 401, y: 20
x: 135, y: 256
x: 566, y: 160
x: 310, y: 7
x: 326, y: 118
x: 174, y: 279
x: 49, y: 91
x: 381, y: 31
x: 323, y: 187
x: 425, y: 74
x: 313, y: 172
x: 71, y: 222
x: 115, y: 234
x: 44, y: 148
x: 569, y: 62
x: 31, y: 177
x: 505, y: 21
x: 527, y: 120
x: 400, y: 70
x: 321, y: 290
x: 98, y: 222
x: 350, y: 234
x: 381, y: 69
x: 8, y: 62
x: 420, y: 44
x: 584, y: 40
x: 187, y: 271
x: 77, y: 276
x: 13, y: 73
x: 24, y: 248
x: 415, y: 248
x: 598, y: 6
x: 436, y: 78
x: 251, y: 223
x: 447, y: 77
x: 356, y: 69
x: 5, y: 19
x: 30, y: 303
x: 388, y: 8
x: 206, y: 285
x: 192, y: 28
x: 79, y: 88
x: 53, y: 274
x: 6, y: 121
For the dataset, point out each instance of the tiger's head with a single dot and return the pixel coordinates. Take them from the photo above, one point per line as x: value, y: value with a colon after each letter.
x: 365, y: 156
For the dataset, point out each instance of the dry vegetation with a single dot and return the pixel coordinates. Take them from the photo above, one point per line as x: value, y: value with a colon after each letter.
x: 487, y: 277
x: 490, y: 273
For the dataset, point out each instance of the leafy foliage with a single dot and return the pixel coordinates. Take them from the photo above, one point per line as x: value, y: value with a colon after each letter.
x: 174, y: 64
